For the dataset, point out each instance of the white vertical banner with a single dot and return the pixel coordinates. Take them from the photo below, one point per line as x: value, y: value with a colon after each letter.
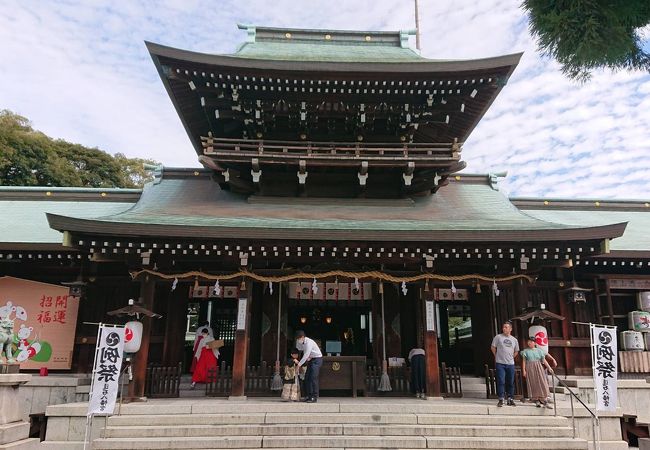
x: 106, y: 370
x: 430, y: 315
x: 241, y: 314
x: 605, y: 366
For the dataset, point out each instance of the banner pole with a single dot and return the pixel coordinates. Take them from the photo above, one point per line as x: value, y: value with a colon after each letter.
x: 594, y: 423
x: 89, y: 417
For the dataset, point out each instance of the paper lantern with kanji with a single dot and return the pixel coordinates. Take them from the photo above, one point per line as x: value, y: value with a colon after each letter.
x: 540, y: 334
x: 132, y: 336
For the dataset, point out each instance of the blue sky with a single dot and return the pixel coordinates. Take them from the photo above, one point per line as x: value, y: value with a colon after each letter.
x: 80, y: 71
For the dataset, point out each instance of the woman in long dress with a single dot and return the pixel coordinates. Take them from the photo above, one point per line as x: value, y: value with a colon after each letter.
x: 206, y: 359
x: 197, y: 340
x: 532, y: 368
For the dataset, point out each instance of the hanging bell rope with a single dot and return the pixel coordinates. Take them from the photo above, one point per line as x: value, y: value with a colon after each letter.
x: 384, y: 382
x: 276, y: 384
x: 373, y: 275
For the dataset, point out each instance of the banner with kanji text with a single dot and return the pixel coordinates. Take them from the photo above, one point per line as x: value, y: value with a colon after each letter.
x: 106, y: 370
x: 605, y: 366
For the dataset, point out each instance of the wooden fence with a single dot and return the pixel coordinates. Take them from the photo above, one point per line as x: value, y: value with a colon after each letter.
x: 163, y: 382
x: 491, y: 383
x: 450, y: 382
x: 258, y: 381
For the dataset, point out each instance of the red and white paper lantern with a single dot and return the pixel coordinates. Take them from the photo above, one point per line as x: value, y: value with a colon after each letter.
x: 132, y: 336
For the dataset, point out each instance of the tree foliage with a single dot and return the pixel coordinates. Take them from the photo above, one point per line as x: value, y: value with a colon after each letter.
x: 583, y: 35
x: 31, y: 158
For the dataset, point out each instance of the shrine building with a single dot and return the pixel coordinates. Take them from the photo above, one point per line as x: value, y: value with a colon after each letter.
x: 331, y: 200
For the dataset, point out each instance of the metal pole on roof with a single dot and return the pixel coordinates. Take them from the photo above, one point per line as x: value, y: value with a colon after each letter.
x: 417, y: 25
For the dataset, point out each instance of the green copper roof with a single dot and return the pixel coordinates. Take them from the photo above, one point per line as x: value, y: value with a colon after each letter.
x: 636, y: 237
x: 327, y: 52
x: 196, y: 206
x: 24, y: 221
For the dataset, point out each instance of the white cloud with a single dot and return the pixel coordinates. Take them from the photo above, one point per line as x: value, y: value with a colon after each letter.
x: 81, y: 72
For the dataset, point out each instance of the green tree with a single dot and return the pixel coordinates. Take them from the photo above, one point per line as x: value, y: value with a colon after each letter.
x: 31, y: 158
x: 583, y: 35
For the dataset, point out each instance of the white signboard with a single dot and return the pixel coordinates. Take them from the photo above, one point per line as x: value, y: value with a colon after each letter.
x: 106, y: 370
x: 605, y: 366
x: 430, y: 316
x: 241, y: 314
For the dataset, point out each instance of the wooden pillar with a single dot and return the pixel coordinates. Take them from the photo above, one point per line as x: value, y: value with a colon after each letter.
x: 240, y: 357
x: 568, y: 360
x: 599, y: 311
x: 175, y: 323
x: 520, y: 304
x: 141, y: 358
x: 430, y: 344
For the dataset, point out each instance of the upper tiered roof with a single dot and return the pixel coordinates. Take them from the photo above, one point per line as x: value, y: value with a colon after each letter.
x: 321, y: 99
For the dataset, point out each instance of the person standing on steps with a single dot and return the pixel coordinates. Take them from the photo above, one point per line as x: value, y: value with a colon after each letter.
x: 505, y: 349
x: 532, y: 369
x: 312, y: 356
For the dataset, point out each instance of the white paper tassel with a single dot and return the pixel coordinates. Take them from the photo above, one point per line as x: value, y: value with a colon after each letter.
x: 356, y: 283
x: 404, y: 288
x: 314, y: 287
x: 217, y: 289
x: 453, y: 288
x: 495, y: 288
x: 174, y: 284
x: 270, y: 287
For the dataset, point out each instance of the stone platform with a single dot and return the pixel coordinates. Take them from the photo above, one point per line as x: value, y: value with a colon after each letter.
x: 333, y: 423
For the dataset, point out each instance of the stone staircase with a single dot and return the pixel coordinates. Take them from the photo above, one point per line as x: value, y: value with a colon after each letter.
x: 473, y: 387
x: 335, y: 424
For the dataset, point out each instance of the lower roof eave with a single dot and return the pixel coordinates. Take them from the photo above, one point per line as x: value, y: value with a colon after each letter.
x: 165, y: 231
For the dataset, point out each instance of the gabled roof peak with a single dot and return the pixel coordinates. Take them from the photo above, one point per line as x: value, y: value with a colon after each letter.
x: 325, y: 37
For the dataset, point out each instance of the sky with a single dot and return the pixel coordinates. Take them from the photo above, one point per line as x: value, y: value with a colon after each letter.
x: 79, y: 70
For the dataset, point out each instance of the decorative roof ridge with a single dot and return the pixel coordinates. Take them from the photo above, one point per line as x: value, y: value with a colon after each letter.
x: 584, y: 204
x: 74, y: 189
x: 67, y: 194
x: 326, y: 36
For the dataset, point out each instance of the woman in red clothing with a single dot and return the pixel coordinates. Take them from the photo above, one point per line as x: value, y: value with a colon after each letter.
x: 197, y: 340
x: 207, y: 359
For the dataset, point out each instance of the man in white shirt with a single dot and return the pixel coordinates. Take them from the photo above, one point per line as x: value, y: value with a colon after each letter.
x: 312, y: 356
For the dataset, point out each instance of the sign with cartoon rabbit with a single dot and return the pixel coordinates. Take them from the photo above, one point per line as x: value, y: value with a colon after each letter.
x: 37, y: 324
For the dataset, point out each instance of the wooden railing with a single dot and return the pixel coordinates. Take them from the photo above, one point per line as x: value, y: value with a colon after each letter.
x: 491, y: 383
x: 280, y: 150
x: 163, y: 382
x: 450, y: 382
x: 219, y: 381
x: 258, y: 381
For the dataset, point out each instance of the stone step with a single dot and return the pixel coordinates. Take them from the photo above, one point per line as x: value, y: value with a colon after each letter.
x: 346, y: 442
x: 342, y: 418
x: 334, y: 430
x: 24, y: 444
x: 506, y: 443
x: 12, y: 432
x: 238, y: 442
